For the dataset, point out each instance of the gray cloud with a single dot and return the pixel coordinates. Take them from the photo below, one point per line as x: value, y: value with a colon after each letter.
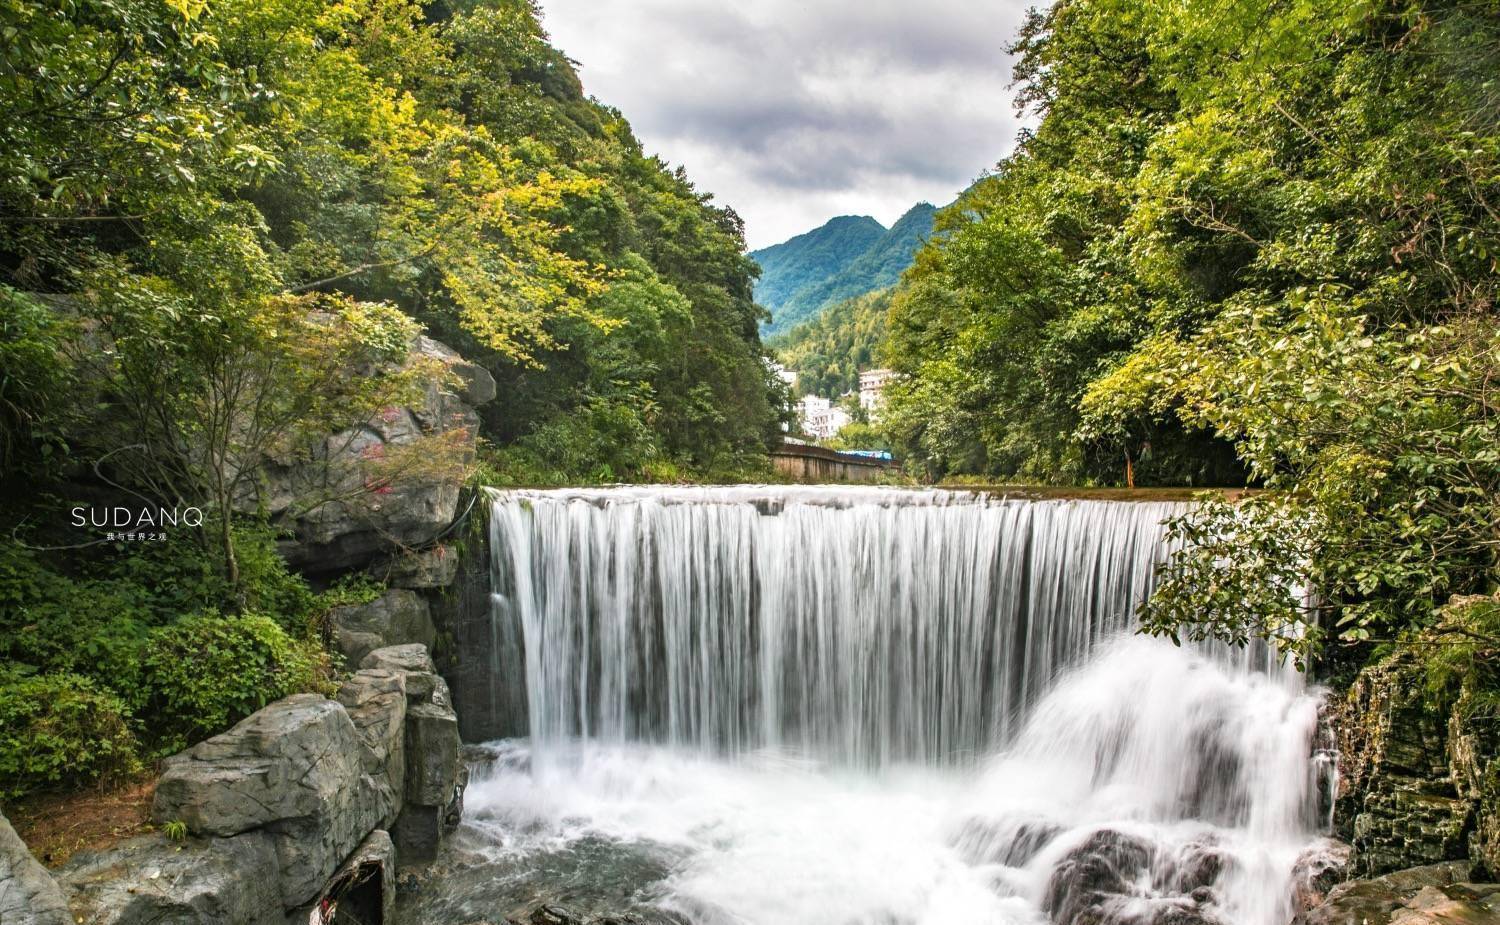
x: 793, y: 111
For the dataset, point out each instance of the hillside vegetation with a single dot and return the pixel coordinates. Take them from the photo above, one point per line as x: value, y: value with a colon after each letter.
x: 844, y: 258
x: 829, y: 351
x: 1252, y: 241
x: 222, y: 227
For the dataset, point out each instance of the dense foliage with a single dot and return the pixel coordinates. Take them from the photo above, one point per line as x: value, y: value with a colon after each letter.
x: 204, y: 673
x: 222, y: 227
x: 113, y: 656
x: 1252, y: 240
x: 829, y: 351
x: 61, y: 729
x: 842, y: 259
x: 196, y: 174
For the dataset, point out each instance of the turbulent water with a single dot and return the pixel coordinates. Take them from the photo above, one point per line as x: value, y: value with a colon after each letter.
x: 796, y: 705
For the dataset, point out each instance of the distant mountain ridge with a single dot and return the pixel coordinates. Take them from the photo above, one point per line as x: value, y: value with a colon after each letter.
x: 846, y: 257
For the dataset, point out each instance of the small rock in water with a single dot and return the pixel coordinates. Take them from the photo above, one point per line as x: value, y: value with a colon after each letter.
x: 1104, y: 866
x: 550, y: 914
x: 1319, y: 868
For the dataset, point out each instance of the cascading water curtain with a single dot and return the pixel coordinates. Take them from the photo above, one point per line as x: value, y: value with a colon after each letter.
x: 859, y: 625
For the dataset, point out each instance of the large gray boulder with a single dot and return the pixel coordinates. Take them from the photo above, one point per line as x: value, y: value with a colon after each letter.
x: 28, y: 894
x: 396, y: 617
x: 476, y: 386
x: 151, y: 881
x: 432, y: 754
x: 296, y: 769
x: 343, y: 515
x: 376, y: 702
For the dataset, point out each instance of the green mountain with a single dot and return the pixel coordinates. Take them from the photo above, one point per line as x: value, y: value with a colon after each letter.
x: 809, y: 258
x: 847, y: 257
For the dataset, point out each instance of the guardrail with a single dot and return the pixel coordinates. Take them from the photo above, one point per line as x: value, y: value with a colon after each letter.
x: 807, y: 463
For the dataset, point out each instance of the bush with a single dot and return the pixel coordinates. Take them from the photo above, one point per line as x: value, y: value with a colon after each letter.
x: 207, y: 672
x: 1461, y: 655
x: 55, y: 623
x: 35, y: 387
x: 61, y: 730
x: 183, y: 575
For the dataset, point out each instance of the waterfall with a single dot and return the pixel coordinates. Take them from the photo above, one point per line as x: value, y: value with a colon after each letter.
x: 884, y: 705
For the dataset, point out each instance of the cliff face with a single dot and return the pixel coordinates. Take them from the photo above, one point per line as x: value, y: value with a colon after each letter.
x: 1420, y: 760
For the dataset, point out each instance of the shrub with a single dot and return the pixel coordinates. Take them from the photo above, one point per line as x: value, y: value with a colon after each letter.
x: 207, y: 672
x: 52, y: 622
x: 1459, y: 655
x: 35, y: 387
x: 61, y: 730
x: 184, y: 575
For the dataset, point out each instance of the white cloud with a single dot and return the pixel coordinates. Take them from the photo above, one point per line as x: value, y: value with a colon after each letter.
x: 794, y: 112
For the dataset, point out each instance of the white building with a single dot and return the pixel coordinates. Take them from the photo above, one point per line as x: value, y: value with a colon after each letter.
x: 872, y: 383
x: 789, y: 376
x: 820, y: 417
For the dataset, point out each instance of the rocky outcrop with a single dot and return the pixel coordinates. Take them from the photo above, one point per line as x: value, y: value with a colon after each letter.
x: 397, y: 617
x: 1437, y: 894
x: 1320, y: 867
x: 1419, y: 780
x: 296, y: 770
x: 1115, y: 879
x: 149, y: 880
x: 421, y: 569
x: 1474, y: 762
x: 376, y: 702
x: 291, y: 807
x: 413, y: 659
x: 28, y: 894
x: 434, y: 774
x: 342, y: 512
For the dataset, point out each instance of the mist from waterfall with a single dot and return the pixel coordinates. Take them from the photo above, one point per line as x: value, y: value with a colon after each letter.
x: 887, y: 706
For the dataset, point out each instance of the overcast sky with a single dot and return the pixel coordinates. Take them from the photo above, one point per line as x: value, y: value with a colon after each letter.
x: 794, y: 112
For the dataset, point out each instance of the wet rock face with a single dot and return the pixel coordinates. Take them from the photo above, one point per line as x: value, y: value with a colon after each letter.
x: 1474, y: 751
x: 1115, y: 879
x: 491, y: 700
x: 28, y: 894
x: 1319, y: 869
x: 1084, y: 884
x: 1402, y: 798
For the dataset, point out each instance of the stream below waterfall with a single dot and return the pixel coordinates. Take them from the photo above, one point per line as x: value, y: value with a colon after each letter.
x: 785, y: 705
